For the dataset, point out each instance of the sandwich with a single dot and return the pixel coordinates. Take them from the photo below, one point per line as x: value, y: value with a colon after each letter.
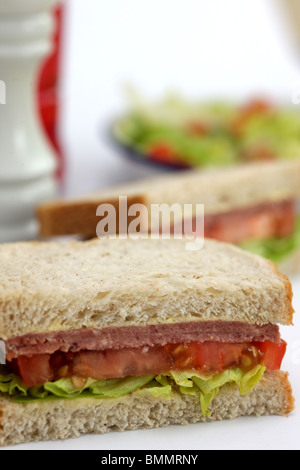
x: 109, y: 335
x: 254, y: 207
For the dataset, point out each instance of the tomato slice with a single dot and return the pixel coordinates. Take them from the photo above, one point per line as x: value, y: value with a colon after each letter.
x: 261, y: 153
x: 256, y: 223
x: 121, y: 363
x: 254, y: 108
x: 276, y: 220
x: 35, y: 370
x: 198, y: 128
x: 163, y: 153
x: 206, y: 358
x: 210, y: 356
x: 273, y: 353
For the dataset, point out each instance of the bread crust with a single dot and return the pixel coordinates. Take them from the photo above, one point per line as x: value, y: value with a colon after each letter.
x: 77, y: 217
x: 289, y: 293
x: 62, y: 419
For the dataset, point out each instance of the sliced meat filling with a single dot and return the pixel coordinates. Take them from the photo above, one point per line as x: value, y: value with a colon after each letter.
x: 208, y: 347
x: 139, y: 336
x: 260, y: 222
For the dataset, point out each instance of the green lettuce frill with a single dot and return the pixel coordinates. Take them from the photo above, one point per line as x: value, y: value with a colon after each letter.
x: 161, y: 386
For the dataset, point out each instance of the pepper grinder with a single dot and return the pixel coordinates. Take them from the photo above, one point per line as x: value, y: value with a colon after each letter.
x: 27, y: 162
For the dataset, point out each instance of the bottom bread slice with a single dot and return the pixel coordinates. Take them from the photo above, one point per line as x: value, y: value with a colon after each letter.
x: 62, y: 419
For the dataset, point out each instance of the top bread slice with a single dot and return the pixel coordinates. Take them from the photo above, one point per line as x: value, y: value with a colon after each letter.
x: 57, y: 286
x: 220, y: 190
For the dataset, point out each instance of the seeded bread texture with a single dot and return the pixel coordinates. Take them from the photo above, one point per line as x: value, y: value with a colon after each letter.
x: 57, y: 286
x: 220, y: 190
x: 62, y: 419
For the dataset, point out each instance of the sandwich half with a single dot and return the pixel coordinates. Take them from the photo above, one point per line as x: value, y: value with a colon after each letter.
x: 112, y: 335
x: 253, y: 206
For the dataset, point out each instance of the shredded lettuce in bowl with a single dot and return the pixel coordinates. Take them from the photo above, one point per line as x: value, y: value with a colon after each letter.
x: 271, y: 131
x: 160, y: 386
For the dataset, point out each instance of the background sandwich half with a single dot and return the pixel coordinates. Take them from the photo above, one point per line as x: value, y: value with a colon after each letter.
x: 253, y: 206
x: 118, y: 335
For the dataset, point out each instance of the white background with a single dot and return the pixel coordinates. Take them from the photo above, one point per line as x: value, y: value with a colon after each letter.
x: 228, y: 48
x: 202, y: 48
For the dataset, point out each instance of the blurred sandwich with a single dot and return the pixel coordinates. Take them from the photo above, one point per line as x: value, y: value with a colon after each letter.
x: 121, y: 334
x: 252, y: 206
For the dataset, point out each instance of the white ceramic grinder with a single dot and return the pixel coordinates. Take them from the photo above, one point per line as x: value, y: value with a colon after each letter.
x: 27, y: 162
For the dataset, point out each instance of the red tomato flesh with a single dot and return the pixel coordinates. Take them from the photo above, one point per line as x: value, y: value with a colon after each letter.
x: 162, y: 153
x: 207, y: 358
x: 121, y: 363
x: 256, y: 107
x: 198, y: 128
x: 273, y: 353
x: 35, y: 370
x: 251, y: 110
x: 266, y: 223
x: 259, y: 223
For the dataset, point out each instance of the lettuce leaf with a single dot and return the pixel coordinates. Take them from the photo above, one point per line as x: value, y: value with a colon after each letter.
x: 250, y: 379
x: 160, y: 386
x: 12, y: 384
x: 111, y: 388
x: 114, y: 388
x: 192, y: 383
x: 169, y: 121
x: 163, y: 392
x: 64, y: 388
x: 275, y: 249
x: 205, y: 401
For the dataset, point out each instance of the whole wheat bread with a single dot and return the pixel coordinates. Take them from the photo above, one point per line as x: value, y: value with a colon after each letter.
x: 58, y: 286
